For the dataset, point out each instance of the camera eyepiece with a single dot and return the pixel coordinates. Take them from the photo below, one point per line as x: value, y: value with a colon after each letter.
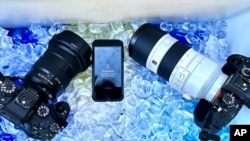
x: 67, y: 55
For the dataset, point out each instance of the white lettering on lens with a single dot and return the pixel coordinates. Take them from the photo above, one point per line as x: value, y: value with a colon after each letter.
x: 45, y: 78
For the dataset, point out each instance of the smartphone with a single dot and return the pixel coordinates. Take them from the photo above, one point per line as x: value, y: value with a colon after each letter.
x: 107, y: 70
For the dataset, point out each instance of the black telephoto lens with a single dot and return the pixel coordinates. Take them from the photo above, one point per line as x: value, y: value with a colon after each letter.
x: 66, y: 56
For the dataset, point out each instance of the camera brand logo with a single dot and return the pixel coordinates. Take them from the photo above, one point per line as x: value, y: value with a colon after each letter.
x: 239, y: 132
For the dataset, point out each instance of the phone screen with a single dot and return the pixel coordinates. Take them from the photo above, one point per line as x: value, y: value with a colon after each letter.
x: 107, y: 70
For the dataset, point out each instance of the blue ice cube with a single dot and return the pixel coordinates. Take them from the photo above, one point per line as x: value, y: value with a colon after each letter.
x: 7, y: 137
x: 222, y: 25
x: 204, y: 26
x: 142, y: 106
x: 192, y: 38
x: 144, y: 127
x: 56, y: 28
x: 203, y: 35
x: 220, y: 29
x: 35, y: 28
x: 220, y: 34
x: 189, y: 26
x: 23, y: 33
x: 3, y: 32
x: 6, y: 41
x: 166, y: 26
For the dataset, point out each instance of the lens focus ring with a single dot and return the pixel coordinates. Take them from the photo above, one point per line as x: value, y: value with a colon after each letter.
x: 76, y: 45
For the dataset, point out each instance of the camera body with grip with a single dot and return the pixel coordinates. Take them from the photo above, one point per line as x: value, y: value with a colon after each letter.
x: 234, y: 93
x: 26, y: 108
x: 29, y: 102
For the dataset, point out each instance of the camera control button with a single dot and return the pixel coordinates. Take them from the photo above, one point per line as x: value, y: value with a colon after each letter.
x: 34, y: 129
x: 43, y: 111
x: 243, y: 83
x: 8, y: 88
x: 54, y: 127
x: 19, y: 82
x: 1, y: 106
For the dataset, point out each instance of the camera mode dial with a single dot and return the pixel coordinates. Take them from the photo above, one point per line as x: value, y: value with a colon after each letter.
x: 228, y: 99
x: 245, y: 71
x: 43, y: 111
x: 7, y: 87
x: 54, y: 127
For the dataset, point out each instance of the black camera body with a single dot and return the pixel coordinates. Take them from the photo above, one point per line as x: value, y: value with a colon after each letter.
x: 234, y: 93
x: 29, y: 102
x: 26, y: 108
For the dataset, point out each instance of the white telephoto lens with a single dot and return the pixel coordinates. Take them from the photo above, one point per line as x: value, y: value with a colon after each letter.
x: 186, y: 70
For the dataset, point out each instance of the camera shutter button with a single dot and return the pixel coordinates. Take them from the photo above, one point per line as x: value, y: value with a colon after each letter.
x: 8, y: 88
